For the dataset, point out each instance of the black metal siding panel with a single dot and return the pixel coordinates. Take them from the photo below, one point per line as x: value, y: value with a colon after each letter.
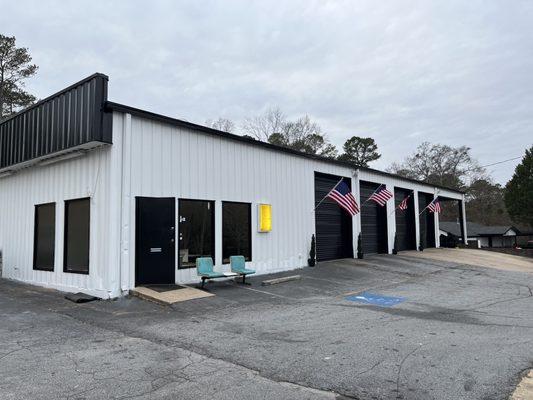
x: 333, y: 225
x: 405, y: 221
x: 373, y: 221
x: 70, y: 118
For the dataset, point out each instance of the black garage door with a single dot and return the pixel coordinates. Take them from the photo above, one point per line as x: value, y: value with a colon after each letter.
x: 373, y: 222
x: 405, y: 221
x: 427, y: 222
x: 333, y: 224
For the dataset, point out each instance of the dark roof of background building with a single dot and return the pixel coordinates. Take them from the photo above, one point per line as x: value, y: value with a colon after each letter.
x: 475, y: 229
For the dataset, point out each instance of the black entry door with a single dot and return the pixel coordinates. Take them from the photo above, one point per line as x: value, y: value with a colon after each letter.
x: 155, y: 240
x: 332, y: 223
x: 373, y: 221
x: 405, y: 221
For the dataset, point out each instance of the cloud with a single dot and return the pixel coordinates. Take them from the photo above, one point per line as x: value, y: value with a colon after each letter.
x: 402, y: 72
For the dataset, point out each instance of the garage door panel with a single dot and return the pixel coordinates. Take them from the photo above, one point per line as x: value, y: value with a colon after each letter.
x: 426, y: 220
x: 373, y: 222
x: 405, y: 221
x: 333, y: 224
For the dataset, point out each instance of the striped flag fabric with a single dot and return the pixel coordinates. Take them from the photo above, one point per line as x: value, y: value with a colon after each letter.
x: 403, y: 205
x: 343, y: 196
x: 434, y: 206
x: 381, y: 196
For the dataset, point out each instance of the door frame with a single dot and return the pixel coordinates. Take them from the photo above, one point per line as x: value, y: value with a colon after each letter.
x: 137, y: 237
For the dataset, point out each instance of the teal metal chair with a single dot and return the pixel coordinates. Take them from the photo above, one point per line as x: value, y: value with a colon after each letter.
x: 204, y: 269
x: 238, y: 266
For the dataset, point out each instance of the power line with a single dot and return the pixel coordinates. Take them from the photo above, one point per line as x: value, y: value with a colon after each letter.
x: 488, y: 165
x: 500, y: 162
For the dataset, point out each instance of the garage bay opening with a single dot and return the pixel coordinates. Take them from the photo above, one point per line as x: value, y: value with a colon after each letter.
x: 334, y: 235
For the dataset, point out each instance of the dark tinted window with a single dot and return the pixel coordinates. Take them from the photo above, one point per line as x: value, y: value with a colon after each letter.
x: 77, y: 216
x: 44, y: 237
x: 236, y: 230
x: 196, y: 231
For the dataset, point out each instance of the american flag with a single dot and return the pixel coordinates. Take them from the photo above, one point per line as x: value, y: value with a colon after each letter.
x: 381, y: 196
x: 403, y: 205
x: 343, y: 196
x: 434, y: 206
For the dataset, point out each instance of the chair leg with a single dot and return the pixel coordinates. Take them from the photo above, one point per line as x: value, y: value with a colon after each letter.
x: 244, y: 279
x: 203, y: 281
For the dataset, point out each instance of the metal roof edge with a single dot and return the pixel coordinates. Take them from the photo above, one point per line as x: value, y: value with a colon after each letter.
x: 113, y: 106
x: 59, y: 93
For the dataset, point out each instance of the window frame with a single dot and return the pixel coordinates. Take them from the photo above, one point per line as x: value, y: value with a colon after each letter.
x: 213, y: 230
x: 65, y: 237
x: 35, y: 235
x: 249, y: 224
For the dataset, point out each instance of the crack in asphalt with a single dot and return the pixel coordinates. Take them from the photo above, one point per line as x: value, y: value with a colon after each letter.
x: 398, y: 376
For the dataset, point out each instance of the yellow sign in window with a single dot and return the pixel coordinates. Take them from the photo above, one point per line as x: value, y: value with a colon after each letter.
x: 265, y: 218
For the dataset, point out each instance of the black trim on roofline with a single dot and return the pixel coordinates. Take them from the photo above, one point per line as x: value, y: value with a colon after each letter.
x: 62, y: 91
x: 68, y: 119
x: 112, y: 106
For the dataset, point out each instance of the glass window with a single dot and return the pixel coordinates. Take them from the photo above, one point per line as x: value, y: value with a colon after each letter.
x: 44, y: 237
x: 77, y: 216
x: 236, y: 230
x: 196, y: 231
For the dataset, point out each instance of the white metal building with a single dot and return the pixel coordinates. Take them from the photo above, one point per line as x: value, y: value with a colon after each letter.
x: 100, y: 197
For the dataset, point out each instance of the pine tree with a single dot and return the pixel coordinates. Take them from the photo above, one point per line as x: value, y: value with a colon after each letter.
x: 519, y: 191
x: 14, y: 68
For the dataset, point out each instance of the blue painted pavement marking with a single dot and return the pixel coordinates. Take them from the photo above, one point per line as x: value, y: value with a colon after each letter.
x: 376, y: 299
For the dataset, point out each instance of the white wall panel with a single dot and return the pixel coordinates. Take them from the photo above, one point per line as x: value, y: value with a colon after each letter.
x: 154, y: 159
x: 86, y: 176
x: 167, y: 161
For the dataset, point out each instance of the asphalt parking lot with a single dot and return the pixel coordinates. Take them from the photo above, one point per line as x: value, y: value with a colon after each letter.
x: 462, y: 332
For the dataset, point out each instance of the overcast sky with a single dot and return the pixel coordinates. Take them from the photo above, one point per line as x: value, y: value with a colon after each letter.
x: 452, y: 72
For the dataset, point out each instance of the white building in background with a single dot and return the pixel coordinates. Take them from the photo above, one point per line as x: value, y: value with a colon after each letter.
x: 101, y: 197
x: 482, y: 235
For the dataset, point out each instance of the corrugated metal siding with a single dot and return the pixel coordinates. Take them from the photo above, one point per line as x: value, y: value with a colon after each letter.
x: 167, y: 161
x: 65, y: 120
x: 150, y: 158
x: 163, y: 160
x: 87, y: 176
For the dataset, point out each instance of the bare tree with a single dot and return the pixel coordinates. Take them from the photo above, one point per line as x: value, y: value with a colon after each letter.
x: 440, y: 164
x: 221, y: 124
x: 262, y: 126
x: 302, y: 134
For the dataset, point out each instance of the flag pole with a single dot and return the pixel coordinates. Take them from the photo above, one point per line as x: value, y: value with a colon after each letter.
x: 395, y: 208
x: 323, y: 198
x: 435, y: 198
x: 381, y: 184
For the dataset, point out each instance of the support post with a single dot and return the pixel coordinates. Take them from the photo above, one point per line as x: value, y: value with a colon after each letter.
x: 462, y: 220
